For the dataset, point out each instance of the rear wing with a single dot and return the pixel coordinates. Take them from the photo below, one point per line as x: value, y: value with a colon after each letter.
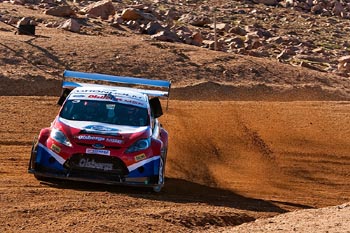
x: 70, y: 85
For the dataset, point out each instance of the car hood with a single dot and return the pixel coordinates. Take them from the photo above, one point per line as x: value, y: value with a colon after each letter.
x: 87, y: 132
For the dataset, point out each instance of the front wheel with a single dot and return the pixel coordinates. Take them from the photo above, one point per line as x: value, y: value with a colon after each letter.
x: 161, y: 176
x: 33, y: 153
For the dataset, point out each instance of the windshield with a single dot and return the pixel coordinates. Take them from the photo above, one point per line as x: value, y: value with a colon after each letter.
x: 105, y: 112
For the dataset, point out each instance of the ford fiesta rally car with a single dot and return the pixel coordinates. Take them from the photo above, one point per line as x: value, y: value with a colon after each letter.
x: 105, y: 134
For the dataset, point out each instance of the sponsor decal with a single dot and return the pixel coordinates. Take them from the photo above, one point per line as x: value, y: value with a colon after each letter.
x: 100, y: 128
x: 106, y: 97
x: 133, y: 102
x: 55, y: 148
x: 78, y: 96
x: 97, y: 151
x: 114, y: 140
x: 140, y: 157
x: 98, y: 146
x: 90, y: 163
x: 109, y: 97
x: 92, y: 138
x: 99, y: 139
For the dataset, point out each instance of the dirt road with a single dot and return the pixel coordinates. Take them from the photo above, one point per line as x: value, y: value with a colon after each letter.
x: 229, y: 163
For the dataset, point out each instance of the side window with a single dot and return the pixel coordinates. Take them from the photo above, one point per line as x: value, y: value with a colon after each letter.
x: 67, y: 110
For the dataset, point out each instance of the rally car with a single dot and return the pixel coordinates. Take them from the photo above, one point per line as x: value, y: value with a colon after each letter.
x: 105, y: 133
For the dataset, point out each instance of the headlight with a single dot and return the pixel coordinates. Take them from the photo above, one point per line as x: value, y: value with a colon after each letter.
x: 59, y: 136
x: 141, y: 144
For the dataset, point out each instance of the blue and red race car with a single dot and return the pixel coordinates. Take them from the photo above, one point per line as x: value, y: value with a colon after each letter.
x: 105, y: 134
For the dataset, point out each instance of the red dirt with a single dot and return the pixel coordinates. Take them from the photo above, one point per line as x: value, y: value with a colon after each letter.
x: 250, y: 138
x: 229, y: 163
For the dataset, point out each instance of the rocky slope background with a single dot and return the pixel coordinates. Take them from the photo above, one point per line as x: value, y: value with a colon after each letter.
x: 308, y: 33
x: 288, y: 46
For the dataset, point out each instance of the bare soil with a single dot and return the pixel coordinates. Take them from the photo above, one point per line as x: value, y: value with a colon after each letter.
x: 229, y: 163
x: 250, y: 139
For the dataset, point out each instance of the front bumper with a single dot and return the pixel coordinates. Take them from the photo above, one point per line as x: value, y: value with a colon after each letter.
x: 45, y: 163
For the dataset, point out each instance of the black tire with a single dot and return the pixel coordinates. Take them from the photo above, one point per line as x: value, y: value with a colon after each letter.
x: 161, y: 177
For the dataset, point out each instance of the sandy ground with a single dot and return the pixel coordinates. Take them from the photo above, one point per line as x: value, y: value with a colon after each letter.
x: 229, y: 162
x: 250, y: 138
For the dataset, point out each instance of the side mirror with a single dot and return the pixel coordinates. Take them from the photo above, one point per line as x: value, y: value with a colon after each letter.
x: 65, y: 92
x: 156, y: 107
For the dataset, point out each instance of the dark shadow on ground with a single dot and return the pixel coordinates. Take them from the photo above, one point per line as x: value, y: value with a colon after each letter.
x: 212, y: 91
x: 30, y: 85
x: 48, y: 54
x: 182, y: 191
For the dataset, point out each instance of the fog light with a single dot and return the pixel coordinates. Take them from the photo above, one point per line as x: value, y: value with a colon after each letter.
x: 141, y: 169
x: 52, y: 160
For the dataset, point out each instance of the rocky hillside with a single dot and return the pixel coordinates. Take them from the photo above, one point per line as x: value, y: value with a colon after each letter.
x: 265, y: 49
x: 312, y: 34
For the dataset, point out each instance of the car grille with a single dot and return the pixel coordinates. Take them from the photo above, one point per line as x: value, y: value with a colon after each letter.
x: 107, y: 147
x: 91, y: 164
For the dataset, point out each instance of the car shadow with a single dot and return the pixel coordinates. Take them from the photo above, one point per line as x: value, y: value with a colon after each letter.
x: 182, y: 191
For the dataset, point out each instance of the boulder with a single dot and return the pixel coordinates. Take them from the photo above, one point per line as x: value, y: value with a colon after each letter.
x: 285, y: 54
x: 197, y: 38
x: 238, y: 31
x: 71, y: 25
x: 338, y: 9
x: 131, y: 14
x: 171, y: 15
x: 166, y: 35
x: 223, y: 27
x: 199, y: 21
x: 26, y: 26
x: 317, y: 9
x: 60, y: 11
x: 152, y: 28
x: 210, y: 44
x: 267, y: 2
x: 235, y: 42
x: 26, y: 21
x: 344, y: 64
x: 18, y: 2
x: 101, y: 9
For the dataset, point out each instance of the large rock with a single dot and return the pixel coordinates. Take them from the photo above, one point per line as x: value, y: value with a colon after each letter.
x: 166, y: 35
x: 152, y: 28
x: 238, y: 31
x: 101, y: 9
x: 60, y: 11
x: 317, y: 9
x: 26, y: 21
x: 71, y: 25
x: 131, y: 14
x: 223, y: 27
x: 18, y: 2
x: 338, y: 9
x: 267, y: 2
x: 210, y: 44
x: 197, y: 38
x: 194, y: 20
x: 344, y: 64
x: 26, y: 26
